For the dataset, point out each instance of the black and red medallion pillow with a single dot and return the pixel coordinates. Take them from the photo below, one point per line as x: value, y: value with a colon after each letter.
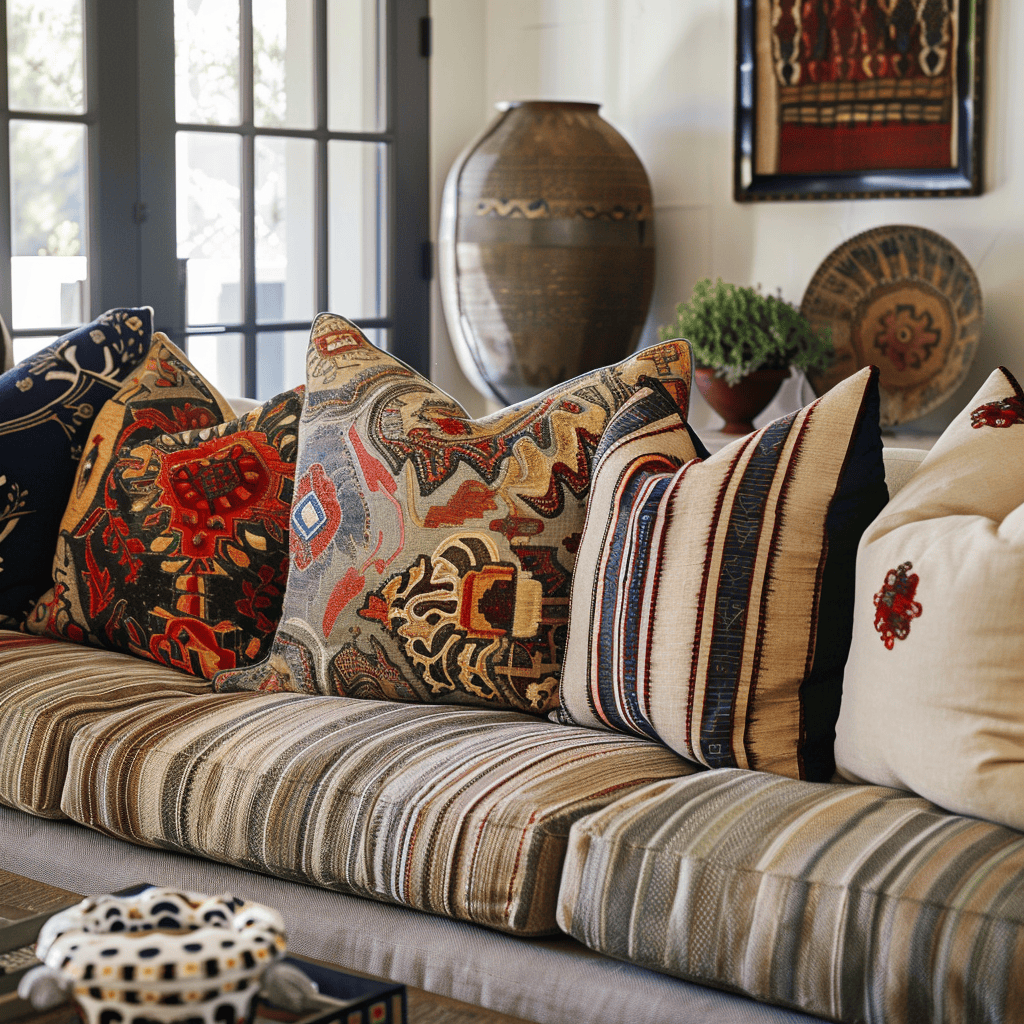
x: 174, y: 546
x: 47, y: 405
x: 431, y: 553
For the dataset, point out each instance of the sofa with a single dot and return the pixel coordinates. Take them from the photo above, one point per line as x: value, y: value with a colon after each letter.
x: 457, y: 821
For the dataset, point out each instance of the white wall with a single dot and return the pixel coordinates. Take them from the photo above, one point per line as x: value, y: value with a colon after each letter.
x: 458, y: 111
x: 663, y: 71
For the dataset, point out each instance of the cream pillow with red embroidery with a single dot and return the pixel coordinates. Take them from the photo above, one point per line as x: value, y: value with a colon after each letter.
x: 933, y: 694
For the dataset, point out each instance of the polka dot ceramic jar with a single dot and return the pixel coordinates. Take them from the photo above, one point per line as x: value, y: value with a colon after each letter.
x: 163, y: 956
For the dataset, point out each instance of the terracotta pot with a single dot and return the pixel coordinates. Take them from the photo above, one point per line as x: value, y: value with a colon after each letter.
x: 739, y: 403
x: 546, y: 249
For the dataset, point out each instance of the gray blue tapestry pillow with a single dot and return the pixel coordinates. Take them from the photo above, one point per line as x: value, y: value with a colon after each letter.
x: 431, y: 553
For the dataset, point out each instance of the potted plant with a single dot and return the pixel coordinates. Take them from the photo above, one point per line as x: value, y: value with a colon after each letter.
x: 744, y: 343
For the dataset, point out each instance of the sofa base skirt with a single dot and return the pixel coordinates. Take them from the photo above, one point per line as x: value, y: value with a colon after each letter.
x: 545, y: 980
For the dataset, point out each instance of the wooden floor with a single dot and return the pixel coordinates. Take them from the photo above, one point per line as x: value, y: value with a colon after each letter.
x: 21, y: 898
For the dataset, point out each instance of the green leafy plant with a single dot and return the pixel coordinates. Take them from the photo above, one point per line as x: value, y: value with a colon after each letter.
x: 735, y: 330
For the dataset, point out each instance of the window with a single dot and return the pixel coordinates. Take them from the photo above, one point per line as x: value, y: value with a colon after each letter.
x: 46, y: 173
x: 271, y: 162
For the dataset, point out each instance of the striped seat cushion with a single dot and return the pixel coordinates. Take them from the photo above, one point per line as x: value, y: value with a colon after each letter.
x: 49, y: 689
x: 712, y: 603
x: 457, y: 811
x: 856, y: 903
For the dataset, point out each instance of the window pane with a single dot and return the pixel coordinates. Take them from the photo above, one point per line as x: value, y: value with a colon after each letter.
x: 356, y: 231
x: 209, y: 225
x: 44, y: 56
x: 206, y: 59
x: 25, y: 347
x: 48, y: 227
x: 355, y: 66
x: 282, y: 50
x: 280, y: 362
x: 218, y: 357
x: 285, y: 277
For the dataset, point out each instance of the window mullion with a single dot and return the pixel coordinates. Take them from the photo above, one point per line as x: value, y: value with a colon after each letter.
x: 321, y: 227
x: 248, y: 201
x: 5, y: 181
x: 248, y: 211
x: 162, y: 274
x: 112, y: 167
x: 408, y: 169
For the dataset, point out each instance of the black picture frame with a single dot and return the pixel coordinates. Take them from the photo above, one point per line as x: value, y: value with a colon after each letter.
x: 964, y: 179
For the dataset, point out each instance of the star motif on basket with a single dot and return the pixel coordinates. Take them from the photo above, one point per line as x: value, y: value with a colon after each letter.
x: 1004, y: 413
x: 895, y: 606
x: 906, y: 338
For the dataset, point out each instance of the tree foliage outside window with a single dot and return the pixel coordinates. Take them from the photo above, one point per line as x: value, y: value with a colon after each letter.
x: 44, y: 56
x: 44, y: 62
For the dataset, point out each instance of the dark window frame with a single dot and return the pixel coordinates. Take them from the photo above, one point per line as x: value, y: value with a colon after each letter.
x: 131, y: 220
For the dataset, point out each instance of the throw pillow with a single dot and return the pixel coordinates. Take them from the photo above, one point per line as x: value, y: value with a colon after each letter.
x: 47, y: 405
x: 712, y: 604
x: 174, y: 544
x: 431, y: 553
x: 932, y: 694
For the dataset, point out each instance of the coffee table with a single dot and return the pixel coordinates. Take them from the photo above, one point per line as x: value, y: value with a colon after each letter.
x: 21, y: 898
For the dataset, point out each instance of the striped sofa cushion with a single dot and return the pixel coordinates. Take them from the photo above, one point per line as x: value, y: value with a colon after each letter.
x: 457, y: 811
x: 856, y: 903
x: 712, y: 604
x: 48, y: 690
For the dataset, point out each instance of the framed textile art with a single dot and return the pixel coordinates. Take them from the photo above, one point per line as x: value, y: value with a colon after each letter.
x: 840, y: 99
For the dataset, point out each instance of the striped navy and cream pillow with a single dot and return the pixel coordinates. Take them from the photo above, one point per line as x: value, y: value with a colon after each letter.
x: 712, y: 601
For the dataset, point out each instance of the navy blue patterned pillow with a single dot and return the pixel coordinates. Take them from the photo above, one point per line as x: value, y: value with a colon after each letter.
x: 47, y: 405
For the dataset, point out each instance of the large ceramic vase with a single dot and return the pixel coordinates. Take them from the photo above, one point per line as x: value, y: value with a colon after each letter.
x: 546, y: 249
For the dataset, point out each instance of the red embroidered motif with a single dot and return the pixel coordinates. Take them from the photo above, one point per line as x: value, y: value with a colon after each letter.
x: 192, y: 417
x: 349, y: 587
x: 450, y: 424
x: 338, y: 342
x: 470, y: 501
x: 258, y: 599
x: 998, y: 414
x: 517, y: 526
x: 216, y: 485
x: 196, y: 647
x: 895, y: 606
x: 101, y: 593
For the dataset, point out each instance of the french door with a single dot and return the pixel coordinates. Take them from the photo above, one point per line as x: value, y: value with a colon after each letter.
x: 237, y: 164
